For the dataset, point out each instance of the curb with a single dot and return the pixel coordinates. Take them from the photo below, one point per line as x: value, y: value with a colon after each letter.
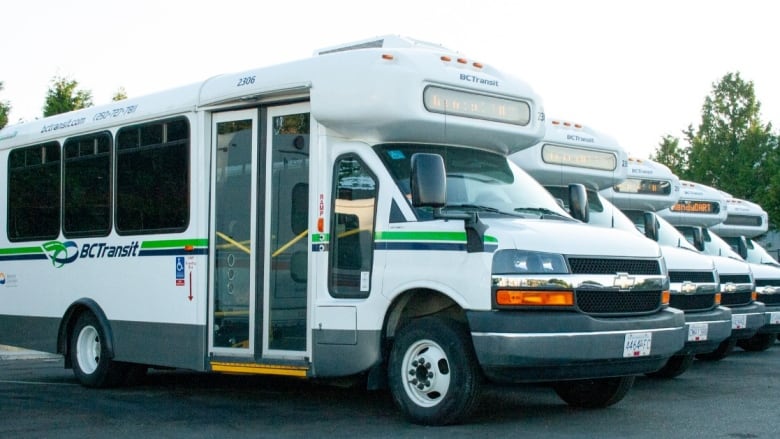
x: 15, y: 353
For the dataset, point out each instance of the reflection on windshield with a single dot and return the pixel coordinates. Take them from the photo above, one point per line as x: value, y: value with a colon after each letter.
x: 476, y: 180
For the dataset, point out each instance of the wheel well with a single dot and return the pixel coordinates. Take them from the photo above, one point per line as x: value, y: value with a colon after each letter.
x: 418, y: 303
x: 405, y: 308
x: 69, y: 321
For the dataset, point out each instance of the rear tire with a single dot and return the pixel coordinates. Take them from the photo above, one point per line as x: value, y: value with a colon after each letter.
x: 758, y: 342
x: 676, y: 366
x: 88, y: 347
x: 723, y: 350
x: 433, y: 372
x: 594, y: 393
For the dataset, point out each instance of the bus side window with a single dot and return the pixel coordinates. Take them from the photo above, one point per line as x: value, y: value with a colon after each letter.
x: 34, y: 192
x: 352, y: 229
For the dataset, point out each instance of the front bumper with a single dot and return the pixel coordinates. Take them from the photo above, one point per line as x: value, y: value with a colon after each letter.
x: 706, y: 330
x: 528, y: 346
x: 746, y: 320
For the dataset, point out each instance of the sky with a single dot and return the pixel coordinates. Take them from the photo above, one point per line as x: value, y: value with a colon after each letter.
x: 638, y: 70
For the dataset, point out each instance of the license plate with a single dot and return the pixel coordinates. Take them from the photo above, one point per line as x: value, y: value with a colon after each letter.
x: 738, y: 321
x: 698, y: 331
x: 774, y: 318
x: 637, y: 344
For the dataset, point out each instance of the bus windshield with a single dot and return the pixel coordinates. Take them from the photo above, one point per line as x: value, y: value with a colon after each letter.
x: 755, y: 253
x: 476, y: 180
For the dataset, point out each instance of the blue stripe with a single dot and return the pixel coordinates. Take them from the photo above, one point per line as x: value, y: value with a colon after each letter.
x: 320, y: 247
x: 409, y: 245
x: 174, y: 252
x: 23, y: 257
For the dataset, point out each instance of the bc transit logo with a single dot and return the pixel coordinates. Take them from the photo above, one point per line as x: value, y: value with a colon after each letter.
x: 61, y: 253
x: 2, y: 278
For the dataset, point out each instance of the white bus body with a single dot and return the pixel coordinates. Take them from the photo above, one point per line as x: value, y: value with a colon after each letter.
x: 693, y: 279
x: 747, y: 220
x: 698, y: 205
x: 649, y: 186
x: 291, y: 220
x: 698, y: 208
x: 743, y: 218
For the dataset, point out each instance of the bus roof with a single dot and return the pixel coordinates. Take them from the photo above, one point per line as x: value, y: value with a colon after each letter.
x: 650, y: 186
x: 699, y: 205
x: 744, y: 218
x: 403, y: 91
x: 573, y: 153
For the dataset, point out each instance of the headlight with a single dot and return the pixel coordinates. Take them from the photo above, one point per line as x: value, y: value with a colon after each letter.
x: 528, y: 262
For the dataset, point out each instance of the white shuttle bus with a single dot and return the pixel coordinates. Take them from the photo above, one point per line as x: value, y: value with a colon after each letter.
x: 651, y: 187
x: 353, y: 214
x: 575, y: 154
x: 746, y: 220
x: 698, y: 208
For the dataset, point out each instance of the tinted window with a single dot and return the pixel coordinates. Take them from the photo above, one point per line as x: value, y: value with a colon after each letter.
x: 87, y: 186
x: 34, y: 192
x: 152, y: 182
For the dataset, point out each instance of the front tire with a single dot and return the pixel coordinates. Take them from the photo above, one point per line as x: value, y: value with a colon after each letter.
x: 676, y: 366
x: 724, y: 349
x: 594, y: 393
x: 433, y: 372
x: 758, y: 342
x: 88, y: 348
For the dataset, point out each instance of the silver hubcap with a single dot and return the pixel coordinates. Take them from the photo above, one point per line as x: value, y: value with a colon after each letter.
x: 88, y: 349
x: 426, y: 373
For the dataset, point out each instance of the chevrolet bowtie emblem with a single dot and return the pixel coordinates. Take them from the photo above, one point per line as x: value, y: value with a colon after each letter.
x: 729, y: 288
x: 623, y: 281
x: 688, y: 287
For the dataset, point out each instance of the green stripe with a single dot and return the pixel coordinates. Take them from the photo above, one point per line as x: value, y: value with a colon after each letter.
x: 427, y: 236
x: 167, y: 243
x: 20, y: 250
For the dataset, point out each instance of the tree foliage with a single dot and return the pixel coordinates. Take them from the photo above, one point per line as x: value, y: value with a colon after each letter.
x: 731, y: 149
x: 120, y: 94
x: 5, y: 109
x: 671, y: 154
x: 63, y: 97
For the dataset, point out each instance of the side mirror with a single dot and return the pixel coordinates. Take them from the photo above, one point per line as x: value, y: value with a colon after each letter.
x: 428, y: 181
x: 698, y: 239
x: 651, y: 226
x: 742, y: 247
x: 578, y: 202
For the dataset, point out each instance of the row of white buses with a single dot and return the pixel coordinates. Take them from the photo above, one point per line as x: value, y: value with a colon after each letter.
x: 353, y: 214
x: 728, y: 299
x: 571, y: 155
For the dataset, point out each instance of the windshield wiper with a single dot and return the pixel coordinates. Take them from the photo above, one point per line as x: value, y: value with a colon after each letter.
x: 479, y: 207
x: 542, y: 212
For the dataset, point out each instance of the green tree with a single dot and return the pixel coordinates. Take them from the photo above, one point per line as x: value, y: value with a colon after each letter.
x: 120, y: 94
x: 731, y: 149
x: 671, y: 154
x: 5, y: 109
x: 63, y: 97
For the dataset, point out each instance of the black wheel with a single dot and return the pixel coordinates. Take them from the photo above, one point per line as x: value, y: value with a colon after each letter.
x: 87, y: 345
x: 594, y: 393
x: 723, y: 350
x: 758, y: 342
x: 676, y: 366
x: 433, y: 372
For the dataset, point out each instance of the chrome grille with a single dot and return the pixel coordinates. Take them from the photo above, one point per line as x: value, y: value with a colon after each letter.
x: 735, y: 278
x: 692, y: 302
x: 691, y: 276
x: 732, y: 299
x: 768, y: 282
x: 612, y: 266
x: 769, y: 299
x: 614, y: 302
